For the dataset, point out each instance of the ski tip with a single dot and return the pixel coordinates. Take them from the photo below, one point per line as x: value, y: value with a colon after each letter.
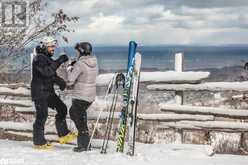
x: 132, y: 43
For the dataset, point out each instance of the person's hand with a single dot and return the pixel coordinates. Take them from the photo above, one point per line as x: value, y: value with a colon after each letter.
x: 69, y: 68
x: 62, y: 59
x: 73, y: 62
x: 60, y: 82
x: 70, y: 65
x: 62, y: 86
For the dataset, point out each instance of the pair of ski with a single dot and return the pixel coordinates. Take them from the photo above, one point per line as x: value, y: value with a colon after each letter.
x: 129, y: 109
x: 130, y: 101
x: 128, y: 115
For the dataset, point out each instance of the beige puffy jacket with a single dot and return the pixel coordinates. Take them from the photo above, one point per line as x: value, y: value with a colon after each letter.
x: 82, y: 78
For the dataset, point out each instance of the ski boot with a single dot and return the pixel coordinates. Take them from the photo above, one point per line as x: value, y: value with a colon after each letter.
x: 47, y: 146
x: 67, y: 138
x: 83, y: 140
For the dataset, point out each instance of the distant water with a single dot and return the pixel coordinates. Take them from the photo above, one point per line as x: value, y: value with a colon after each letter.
x: 162, y: 57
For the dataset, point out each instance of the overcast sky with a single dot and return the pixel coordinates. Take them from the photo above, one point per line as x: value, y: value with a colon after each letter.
x: 152, y: 22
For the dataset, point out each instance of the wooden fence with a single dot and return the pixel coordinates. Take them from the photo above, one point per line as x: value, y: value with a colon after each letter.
x: 179, y: 117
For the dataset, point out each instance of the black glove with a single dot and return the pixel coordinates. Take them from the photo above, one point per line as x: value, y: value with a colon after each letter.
x: 60, y: 82
x: 62, y: 59
x: 72, y: 63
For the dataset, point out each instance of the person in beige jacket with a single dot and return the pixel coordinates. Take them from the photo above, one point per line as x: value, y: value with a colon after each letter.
x: 82, y: 75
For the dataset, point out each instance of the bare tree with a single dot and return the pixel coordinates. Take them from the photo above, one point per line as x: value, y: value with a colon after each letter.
x: 14, y: 40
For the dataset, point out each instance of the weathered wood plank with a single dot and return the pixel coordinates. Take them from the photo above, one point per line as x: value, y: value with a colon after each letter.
x: 15, y: 85
x: 222, y: 126
x: 18, y: 103
x: 21, y: 91
x: 23, y: 127
x: 174, y: 117
x: 91, y: 114
x: 219, y: 112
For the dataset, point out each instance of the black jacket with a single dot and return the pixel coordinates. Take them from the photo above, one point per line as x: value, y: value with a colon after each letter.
x: 44, y: 76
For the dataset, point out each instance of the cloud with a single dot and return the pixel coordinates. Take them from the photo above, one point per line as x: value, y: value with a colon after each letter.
x: 157, y: 21
x: 103, y: 23
x: 202, y: 4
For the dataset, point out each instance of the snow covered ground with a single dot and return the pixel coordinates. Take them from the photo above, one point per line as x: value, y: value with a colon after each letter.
x: 14, y: 152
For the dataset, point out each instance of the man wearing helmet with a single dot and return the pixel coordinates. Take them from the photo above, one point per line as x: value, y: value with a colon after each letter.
x: 42, y: 92
x: 82, y: 82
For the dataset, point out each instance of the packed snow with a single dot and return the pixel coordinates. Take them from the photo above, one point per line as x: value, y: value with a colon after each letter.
x: 210, y: 86
x: 169, y: 76
x: 173, y: 76
x: 14, y: 152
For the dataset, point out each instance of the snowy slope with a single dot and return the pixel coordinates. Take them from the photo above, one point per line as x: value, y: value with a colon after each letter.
x: 147, y: 154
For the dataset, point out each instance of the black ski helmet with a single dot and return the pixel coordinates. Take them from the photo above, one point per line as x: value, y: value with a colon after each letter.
x: 84, y: 48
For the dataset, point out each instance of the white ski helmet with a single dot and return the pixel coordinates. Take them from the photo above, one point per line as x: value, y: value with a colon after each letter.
x: 48, y: 41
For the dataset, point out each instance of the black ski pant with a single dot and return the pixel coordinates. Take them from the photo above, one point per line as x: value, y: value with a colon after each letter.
x: 41, y: 106
x: 78, y: 114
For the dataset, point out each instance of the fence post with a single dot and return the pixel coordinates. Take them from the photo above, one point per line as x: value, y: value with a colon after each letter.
x: 179, y: 94
x: 179, y: 68
x: 179, y: 62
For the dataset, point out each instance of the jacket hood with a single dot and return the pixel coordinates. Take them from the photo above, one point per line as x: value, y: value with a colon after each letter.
x: 89, y: 60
